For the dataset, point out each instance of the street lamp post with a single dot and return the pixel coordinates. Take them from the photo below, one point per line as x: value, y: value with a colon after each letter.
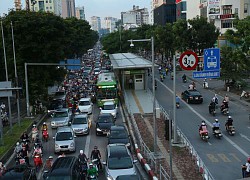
x: 153, y: 84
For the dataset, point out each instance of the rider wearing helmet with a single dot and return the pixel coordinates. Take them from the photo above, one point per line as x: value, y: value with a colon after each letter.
x: 92, y: 170
x: 246, y: 168
x: 203, y: 126
x: 95, y: 154
x: 216, y: 125
x: 229, y: 122
x: 82, y: 157
x: 44, y: 127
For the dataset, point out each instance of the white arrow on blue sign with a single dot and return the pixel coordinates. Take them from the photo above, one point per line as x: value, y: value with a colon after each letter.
x: 212, y: 59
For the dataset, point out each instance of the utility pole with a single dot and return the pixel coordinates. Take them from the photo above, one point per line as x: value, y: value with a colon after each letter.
x: 27, y: 5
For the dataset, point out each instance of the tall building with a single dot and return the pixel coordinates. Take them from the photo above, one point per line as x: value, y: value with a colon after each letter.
x: 165, y: 13
x: 80, y: 14
x: 53, y: 6
x: 68, y: 8
x: 17, y: 4
x: 95, y: 23
x: 110, y: 23
x: 135, y: 16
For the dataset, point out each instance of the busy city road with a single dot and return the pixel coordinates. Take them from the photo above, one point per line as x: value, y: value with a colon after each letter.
x: 227, y: 153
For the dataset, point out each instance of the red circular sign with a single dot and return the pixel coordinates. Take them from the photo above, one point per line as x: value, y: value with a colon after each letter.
x: 188, y: 60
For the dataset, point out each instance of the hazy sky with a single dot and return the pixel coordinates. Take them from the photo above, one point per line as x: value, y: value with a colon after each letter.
x: 101, y: 8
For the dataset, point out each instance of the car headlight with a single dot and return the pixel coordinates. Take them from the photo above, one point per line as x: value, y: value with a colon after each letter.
x: 85, y: 129
x: 113, y: 113
x: 98, y: 129
x: 72, y: 144
x: 56, y: 146
x: 191, y: 97
x: 52, y: 123
x: 110, y: 178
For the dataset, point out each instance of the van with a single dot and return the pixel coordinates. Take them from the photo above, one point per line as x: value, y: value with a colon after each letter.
x: 63, y: 168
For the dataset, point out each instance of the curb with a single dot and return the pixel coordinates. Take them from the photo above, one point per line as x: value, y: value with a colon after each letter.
x: 144, y: 164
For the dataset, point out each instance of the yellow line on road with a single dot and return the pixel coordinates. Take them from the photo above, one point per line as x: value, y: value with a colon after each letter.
x: 137, y: 102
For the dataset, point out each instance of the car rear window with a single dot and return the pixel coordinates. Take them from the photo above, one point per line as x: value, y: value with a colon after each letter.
x: 109, y: 107
x: 120, y: 163
x: 104, y: 119
x: 61, y: 114
x: 80, y: 120
x: 117, y: 134
x: 63, y: 136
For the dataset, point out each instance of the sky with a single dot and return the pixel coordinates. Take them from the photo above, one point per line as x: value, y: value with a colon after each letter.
x: 101, y: 8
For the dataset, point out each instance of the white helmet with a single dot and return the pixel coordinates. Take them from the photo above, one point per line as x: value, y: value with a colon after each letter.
x: 216, y: 120
x: 229, y: 117
x: 50, y: 157
x: 81, y: 151
x: 44, y: 123
x: 203, y: 124
x: 17, y: 143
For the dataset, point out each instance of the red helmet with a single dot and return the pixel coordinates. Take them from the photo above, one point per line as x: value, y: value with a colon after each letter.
x: 248, y: 159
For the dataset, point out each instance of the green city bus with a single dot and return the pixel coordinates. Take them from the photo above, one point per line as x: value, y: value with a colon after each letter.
x: 106, y: 88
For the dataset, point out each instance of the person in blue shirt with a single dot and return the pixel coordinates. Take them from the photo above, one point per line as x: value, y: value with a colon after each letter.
x: 216, y: 125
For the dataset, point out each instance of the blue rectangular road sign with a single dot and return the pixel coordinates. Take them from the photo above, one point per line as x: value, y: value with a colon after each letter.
x: 206, y: 74
x: 212, y: 59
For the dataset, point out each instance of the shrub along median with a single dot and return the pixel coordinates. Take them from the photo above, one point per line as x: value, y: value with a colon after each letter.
x: 10, y: 138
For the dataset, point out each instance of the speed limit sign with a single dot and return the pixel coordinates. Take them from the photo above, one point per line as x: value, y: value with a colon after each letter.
x: 188, y: 60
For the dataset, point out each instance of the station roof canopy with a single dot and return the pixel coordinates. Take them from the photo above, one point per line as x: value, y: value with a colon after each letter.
x: 128, y: 61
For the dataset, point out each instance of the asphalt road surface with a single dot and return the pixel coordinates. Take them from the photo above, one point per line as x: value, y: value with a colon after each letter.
x: 223, y: 157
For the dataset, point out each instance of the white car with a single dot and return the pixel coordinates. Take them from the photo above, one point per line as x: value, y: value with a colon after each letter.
x: 85, y: 105
x: 109, y: 107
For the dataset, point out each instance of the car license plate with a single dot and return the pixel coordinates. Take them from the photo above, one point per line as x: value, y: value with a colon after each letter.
x: 196, y: 98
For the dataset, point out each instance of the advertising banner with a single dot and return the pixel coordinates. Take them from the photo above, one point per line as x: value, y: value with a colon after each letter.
x: 213, y: 7
x: 177, y: 1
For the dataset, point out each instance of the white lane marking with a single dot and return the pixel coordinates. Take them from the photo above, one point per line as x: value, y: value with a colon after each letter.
x: 245, y: 137
x: 87, y: 144
x: 210, y: 124
x: 209, y: 143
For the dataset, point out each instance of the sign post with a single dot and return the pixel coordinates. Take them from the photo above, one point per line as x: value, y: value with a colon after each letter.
x: 188, y: 60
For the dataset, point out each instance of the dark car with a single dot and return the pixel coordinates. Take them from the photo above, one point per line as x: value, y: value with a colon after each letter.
x: 192, y: 96
x: 54, y: 105
x: 20, y: 172
x: 103, y: 124
x: 64, y: 168
x: 118, y: 134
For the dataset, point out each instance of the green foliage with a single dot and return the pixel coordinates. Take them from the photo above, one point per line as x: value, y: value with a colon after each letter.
x: 10, y: 138
x: 43, y: 38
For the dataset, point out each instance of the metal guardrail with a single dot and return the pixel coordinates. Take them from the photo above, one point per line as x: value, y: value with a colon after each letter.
x: 184, y: 140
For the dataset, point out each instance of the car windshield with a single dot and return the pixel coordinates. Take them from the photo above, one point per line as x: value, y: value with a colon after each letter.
x: 60, y: 114
x: 80, y: 120
x: 84, y: 103
x: 104, y: 119
x: 120, y: 163
x: 63, y: 136
x: 118, y: 134
x: 58, y: 178
x: 109, y: 107
x: 59, y: 93
x: 196, y: 93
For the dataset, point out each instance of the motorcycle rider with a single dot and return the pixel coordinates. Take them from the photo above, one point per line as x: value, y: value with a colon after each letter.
x: 246, y: 168
x: 203, y: 126
x: 216, y: 125
x: 24, y: 154
x: 161, y: 77
x: 24, y: 136
x: 205, y: 83
x: 82, y: 157
x: 177, y: 100
x: 224, y: 106
x: 37, y: 150
x: 92, y: 171
x: 184, y: 78
x: 34, y: 132
x: 211, y: 107
x: 229, y: 122
x: 45, y: 126
x: 226, y: 98
x: 18, y: 148
x: 215, y: 99
x: 95, y: 154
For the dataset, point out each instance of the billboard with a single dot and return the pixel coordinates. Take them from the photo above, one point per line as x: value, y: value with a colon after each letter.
x: 213, y: 7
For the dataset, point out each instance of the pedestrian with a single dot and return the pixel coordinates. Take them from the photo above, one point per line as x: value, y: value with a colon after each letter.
x: 130, y: 82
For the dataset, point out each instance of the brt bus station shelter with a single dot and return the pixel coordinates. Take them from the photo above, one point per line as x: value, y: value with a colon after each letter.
x: 132, y: 71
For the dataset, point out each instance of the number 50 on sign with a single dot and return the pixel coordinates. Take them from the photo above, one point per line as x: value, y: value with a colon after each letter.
x: 188, y: 60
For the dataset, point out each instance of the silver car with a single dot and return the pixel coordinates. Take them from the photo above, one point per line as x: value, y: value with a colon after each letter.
x: 81, y: 124
x: 109, y: 107
x: 119, y: 161
x: 85, y: 105
x: 65, y: 140
x: 61, y: 117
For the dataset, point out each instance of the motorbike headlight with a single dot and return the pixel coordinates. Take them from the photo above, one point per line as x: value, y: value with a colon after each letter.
x: 113, y: 113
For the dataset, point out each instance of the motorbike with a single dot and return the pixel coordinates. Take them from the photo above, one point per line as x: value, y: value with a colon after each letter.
x: 244, y: 94
x: 205, y: 85
x: 93, y: 177
x: 83, y: 170
x: 25, y: 144
x: 230, y: 130
x: 204, y: 134
x: 45, y: 135
x: 37, y: 161
x: 225, y: 111
x: 217, y: 133
x: 212, y: 111
x: 177, y: 105
x: 161, y: 79
x: 184, y: 80
x: 97, y: 164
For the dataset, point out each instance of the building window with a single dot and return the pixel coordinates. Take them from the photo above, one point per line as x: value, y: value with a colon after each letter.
x: 245, y: 8
x: 236, y: 11
x: 50, y: 1
x: 227, y: 9
x: 227, y: 23
x: 50, y: 7
x: 47, y: 7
